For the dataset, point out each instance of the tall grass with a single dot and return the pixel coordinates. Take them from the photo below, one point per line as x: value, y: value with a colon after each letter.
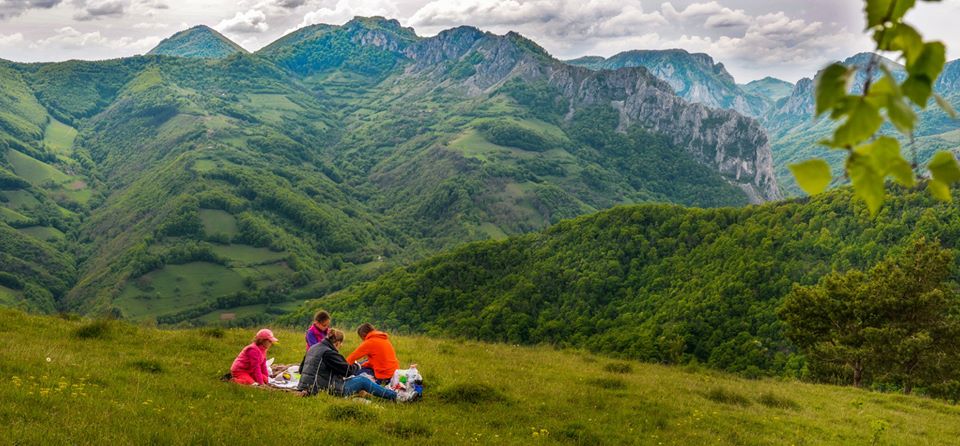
x: 119, y: 384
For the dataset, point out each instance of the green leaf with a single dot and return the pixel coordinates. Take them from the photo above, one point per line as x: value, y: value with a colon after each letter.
x: 831, y: 86
x: 813, y: 176
x: 930, y: 62
x: 880, y: 11
x: 900, y: 37
x: 863, y: 121
x: 887, y: 160
x: 944, y: 168
x: 918, y: 89
x: 939, y: 191
x: 867, y: 182
x: 901, y: 114
x: 945, y: 106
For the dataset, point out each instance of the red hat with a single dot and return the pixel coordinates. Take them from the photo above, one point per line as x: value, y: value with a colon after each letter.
x: 266, y: 334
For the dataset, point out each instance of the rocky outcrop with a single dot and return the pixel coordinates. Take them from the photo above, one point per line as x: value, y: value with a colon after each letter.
x: 693, y: 76
x: 734, y: 145
x: 476, y: 63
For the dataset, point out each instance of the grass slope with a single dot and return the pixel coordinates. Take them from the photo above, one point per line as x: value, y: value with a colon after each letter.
x: 111, y: 383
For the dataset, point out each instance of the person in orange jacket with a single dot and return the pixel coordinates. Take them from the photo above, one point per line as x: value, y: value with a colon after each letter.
x: 376, y: 347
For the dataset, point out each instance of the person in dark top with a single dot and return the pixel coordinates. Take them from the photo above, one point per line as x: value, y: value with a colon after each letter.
x: 324, y: 369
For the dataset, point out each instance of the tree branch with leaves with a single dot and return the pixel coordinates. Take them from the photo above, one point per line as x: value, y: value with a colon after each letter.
x: 872, y: 158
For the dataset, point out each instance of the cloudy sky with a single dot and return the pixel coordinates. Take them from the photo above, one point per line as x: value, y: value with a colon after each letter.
x: 788, y: 39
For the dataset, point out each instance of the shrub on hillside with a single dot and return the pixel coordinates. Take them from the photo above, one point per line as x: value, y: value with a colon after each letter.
x: 213, y: 332
x: 608, y: 383
x: 470, y: 393
x: 724, y: 396
x: 773, y: 400
x: 99, y: 329
x: 349, y: 412
x: 147, y: 365
x: 406, y: 429
x: 618, y: 367
x: 578, y: 434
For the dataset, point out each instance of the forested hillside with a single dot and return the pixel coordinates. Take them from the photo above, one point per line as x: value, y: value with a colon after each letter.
x: 166, y: 187
x: 656, y: 282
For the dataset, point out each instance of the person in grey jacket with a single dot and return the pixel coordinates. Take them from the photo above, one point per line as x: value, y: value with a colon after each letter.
x: 325, y: 369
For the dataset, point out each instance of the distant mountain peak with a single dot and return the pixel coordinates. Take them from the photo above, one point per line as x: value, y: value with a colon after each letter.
x: 200, y: 41
x: 695, y: 77
x: 378, y: 23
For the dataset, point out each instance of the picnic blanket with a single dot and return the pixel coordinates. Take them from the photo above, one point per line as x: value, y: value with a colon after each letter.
x: 284, y: 376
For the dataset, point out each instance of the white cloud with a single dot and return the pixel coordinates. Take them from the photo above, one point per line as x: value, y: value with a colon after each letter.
x: 290, y: 4
x: 710, y: 14
x: 344, y: 10
x: 98, y: 9
x: 252, y: 21
x: 12, y: 39
x: 13, y: 8
x: 560, y: 18
x: 71, y: 39
x: 152, y: 25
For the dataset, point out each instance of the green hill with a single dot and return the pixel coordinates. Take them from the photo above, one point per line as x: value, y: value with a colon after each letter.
x: 334, y: 154
x: 117, y: 383
x: 200, y: 42
x: 653, y: 282
x: 769, y: 87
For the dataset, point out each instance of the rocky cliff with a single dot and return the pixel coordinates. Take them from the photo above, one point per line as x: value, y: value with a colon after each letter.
x: 734, y: 145
x: 693, y: 76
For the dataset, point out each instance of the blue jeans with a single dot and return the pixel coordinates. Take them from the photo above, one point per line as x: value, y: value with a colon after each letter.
x: 358, y: 383
x: 373, y: 376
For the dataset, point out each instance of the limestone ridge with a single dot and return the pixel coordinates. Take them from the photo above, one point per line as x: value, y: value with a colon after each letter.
x: 734, y: 145
x: 693, y: 76
x: 800, y: 102
x: 198, y: 42
x: 769, y: 87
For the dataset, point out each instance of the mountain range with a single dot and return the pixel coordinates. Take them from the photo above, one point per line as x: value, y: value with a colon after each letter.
x: 694, y: 77
x: 201, y: 177
x: 785, y: 110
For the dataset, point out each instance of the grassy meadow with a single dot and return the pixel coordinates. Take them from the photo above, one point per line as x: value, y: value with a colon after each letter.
x: 84, y: 382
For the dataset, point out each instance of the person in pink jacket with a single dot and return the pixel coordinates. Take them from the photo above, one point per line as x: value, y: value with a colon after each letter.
x: 250, y: 367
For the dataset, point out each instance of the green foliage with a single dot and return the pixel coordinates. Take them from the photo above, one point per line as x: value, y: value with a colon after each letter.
x: 470, y: 393
x: 349, y: 412
x: 147, y: 366
x: 99, y: 329
x: 465, y: 67
x: 544, y: 101
x: 655, y: 283
x: 772, y: 400
x: 726, y: 396
x: 895, y: 324
x: 870, y: 163
x: 199, y: 41
x: 407, y: 429
x: 329, y: 49
x: 509, y: 133
x: 813, y: 176
x: 618, y: 367
x: 608, y: 383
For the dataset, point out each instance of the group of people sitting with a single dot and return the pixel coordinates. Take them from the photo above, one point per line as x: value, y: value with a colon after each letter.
x: 324, y: 369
